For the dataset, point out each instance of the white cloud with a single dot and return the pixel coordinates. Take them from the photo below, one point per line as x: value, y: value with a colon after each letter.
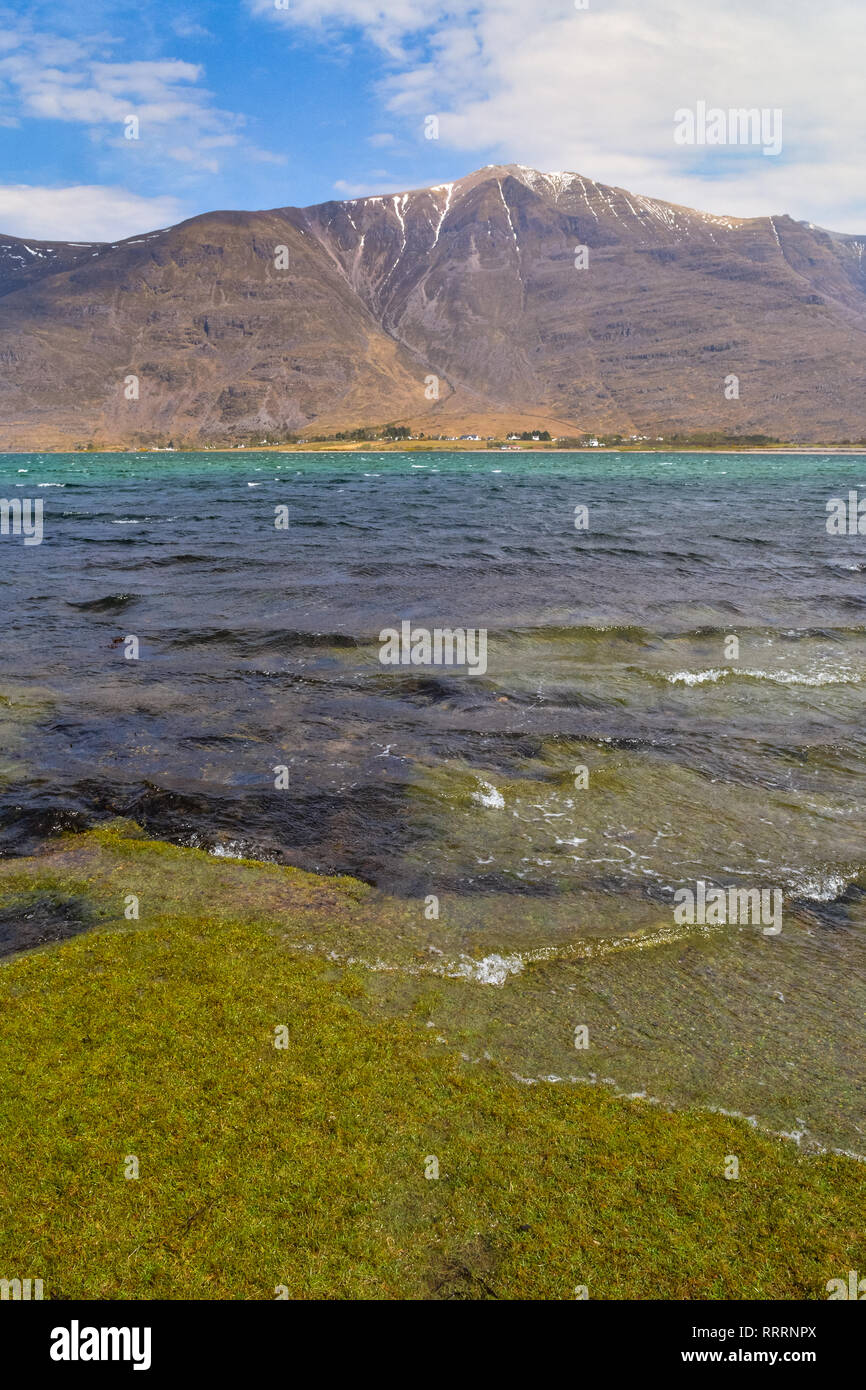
x: 68, y: 80
x: 595, y: 90
x: 387, y: 25
x: 93, y: 92
x: 81, y: 213
x: 187, y: 28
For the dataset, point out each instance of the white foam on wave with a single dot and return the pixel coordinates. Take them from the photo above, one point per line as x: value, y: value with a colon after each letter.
x: 233, y: 850
x: 715, y: 673
x: 496, y: 969
x: 491, y: 970
x: 488, y: 795
x: 823, y: 888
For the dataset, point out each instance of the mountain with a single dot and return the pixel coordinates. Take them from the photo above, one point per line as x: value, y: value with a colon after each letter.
x: 245, y: 325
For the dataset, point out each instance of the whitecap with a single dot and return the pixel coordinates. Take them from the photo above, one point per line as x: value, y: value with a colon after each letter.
x: 822, y: 888
x: 491, y: 970
x: 817, y: 678
x: 488, y: 795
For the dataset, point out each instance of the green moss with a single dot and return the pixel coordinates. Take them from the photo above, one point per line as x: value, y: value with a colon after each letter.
x: 305, y: 1166
x: 21, y: 707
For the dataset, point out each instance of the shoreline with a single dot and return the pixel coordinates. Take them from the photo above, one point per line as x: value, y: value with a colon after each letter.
x: 804, y: 450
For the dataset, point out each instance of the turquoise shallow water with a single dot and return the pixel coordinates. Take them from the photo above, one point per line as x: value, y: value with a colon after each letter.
x: 607, y: 650
x: 693, y: 466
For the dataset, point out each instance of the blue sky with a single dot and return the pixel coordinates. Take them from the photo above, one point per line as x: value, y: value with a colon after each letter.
x: 262, y: 103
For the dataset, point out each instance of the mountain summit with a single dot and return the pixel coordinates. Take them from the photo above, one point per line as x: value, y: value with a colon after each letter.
x: 506, y: 298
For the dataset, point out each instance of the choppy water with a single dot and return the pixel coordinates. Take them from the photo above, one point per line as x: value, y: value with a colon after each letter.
x: 606, y: 650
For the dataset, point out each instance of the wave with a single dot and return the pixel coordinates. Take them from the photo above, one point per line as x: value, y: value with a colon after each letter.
x: 269, y: 639
x: 496, y: 969
x: 161, y: 561
x: 644, y: 636
x: 716, y: 673
x: 583, y: 632
x: 828, y: 887
x: 803, y: 1138
x: 110, y: 603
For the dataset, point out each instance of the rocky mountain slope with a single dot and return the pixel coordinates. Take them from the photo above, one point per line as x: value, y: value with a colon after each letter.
x: 522, y: 298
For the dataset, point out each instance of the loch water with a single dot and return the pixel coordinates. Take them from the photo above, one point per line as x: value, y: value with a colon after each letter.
x: 612, y: 752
